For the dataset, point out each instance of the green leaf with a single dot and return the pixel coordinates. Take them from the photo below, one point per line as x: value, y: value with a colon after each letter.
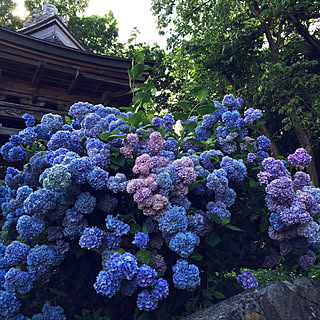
x: 203, y: 94
x: 104, y: 136
x: 67, y: 119
x: 134, y: 228
x: 205, y: 109
x: 114, y: 167
x: 137, y: 71
x: 119, y: 161
x: 198, y: 143
x: 190, y: 125
x: 212, y: 240
x: 218, y: 295
x: 121, y: 251
x: 225, y: 220
x: 142, y: 254
x: 234, y: 228
x: 197, y: 256
x: 180, y: 116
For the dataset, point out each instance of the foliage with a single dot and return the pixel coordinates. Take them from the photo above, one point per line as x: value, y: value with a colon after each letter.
x: 7, y: 19
x: 97, y: 33
x: 67, y: 8
x: 247, y: 47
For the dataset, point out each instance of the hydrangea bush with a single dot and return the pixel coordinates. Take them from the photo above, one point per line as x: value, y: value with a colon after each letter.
x: 112, y: 204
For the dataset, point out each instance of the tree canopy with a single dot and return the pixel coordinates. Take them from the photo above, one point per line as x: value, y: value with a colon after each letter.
x: 266, y: 51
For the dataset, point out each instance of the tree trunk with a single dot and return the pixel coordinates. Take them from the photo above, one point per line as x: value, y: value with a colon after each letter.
x: 303, y: 31
x: 273, y: 147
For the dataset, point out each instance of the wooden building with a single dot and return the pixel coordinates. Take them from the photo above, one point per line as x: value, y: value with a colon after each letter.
x: 43, y: 69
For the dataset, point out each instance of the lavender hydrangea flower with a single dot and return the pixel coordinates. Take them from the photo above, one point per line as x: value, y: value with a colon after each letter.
x: 252, y: 115
x: 300, y: 158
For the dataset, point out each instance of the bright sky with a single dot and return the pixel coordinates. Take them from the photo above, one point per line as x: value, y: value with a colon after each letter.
x: 128, y: 13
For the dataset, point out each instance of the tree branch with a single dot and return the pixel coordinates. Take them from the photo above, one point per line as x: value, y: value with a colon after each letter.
x: 304, y: 32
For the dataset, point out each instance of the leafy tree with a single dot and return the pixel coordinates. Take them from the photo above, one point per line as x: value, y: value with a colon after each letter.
x: 66, y: 8
x: 7, y: 19
x: 258, y: 49
x: 97, y: 33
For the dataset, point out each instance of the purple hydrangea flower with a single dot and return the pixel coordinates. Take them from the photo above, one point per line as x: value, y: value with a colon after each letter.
x: 247, y: 280
x: 300, y: 158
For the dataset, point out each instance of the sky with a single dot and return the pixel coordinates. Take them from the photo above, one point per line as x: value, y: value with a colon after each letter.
x: 128, y: 13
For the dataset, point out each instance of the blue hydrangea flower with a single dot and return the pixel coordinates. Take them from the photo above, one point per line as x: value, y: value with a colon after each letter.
x: 16, y: 253
x: 40, y: 261
x: 30, y: 121
x: 228, y: 197
x: 217, y: 181
x: 173, y: 221
x: 28, y: 136
x: 276, y: 223
x: 17, y: 154
x: 263, y: 143
x: 40, y: 202
x: 209, y: 120
x: 165, y: 183
x: 50, y: 312
x: 57, y: 178
x: 171, y: 145
x: 157, y: 122
x: 236, y: 170
x: 15, y: 140
x: 79, y: 169
x: 74, y: 223
x: 115, y: 225
x: 230, y: 101
x: 168, y: 121
x: 85, y: 203
x: 185, y: 277
x: 107, y: 283
x: 9, y: 305
x: 219, y: 209
x: 18, y: 281
x: 210, y: 160
x: 160, y: 289
x: 230, y: 119
x: 98, y: 178
x: 117, y: 183
x: 52, y: 122
x: 141, y: 240
x: 91, y: 238
x: 29, y: 227
x: 65, y: 139
x: 184, y: 243
x: 146, y: 276
x: 146, y: 301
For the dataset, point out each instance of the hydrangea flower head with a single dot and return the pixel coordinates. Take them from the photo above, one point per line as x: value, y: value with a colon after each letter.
x: 300, y: 158
x: 186, y: 276
x: 141, y: 240
x: 247, y: 280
